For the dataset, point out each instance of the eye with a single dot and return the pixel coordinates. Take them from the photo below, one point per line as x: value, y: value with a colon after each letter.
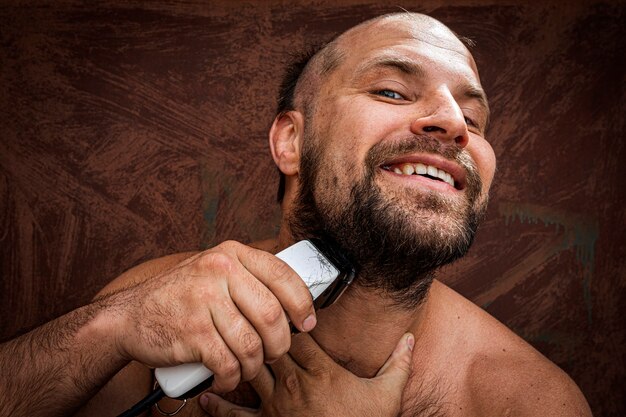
x: 470, y: 122
x: 389, y: 94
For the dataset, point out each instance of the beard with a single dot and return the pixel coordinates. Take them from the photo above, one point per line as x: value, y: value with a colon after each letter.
x: 397, y: 240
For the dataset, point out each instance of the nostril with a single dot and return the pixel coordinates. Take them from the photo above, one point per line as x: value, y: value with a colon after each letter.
x: 428, y: 129
x: 461, y: 140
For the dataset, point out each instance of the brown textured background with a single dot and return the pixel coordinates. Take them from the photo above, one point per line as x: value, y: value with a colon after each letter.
x: 131, y: 132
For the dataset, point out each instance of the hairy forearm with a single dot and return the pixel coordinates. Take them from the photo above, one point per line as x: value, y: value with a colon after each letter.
x: 55, y: 368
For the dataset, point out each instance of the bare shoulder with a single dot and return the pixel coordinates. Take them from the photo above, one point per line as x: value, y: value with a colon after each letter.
x: 504, y: 375
x: 523, y: 386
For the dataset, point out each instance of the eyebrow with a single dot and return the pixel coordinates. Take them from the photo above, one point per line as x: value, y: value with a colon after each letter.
x: 401, y: 64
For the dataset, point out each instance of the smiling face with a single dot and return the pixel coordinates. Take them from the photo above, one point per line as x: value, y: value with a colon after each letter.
x: 394, y: 161
x: 400, y: 79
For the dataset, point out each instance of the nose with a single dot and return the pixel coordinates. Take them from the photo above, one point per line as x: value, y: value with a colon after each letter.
x: 442, y: 118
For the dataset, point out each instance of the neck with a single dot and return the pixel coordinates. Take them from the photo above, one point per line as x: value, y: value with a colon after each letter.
x: 363, y: 327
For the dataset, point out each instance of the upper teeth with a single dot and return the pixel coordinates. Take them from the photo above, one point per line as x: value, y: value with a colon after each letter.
x: 421, y: 169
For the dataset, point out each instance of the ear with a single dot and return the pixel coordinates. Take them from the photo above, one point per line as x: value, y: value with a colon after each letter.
x: 285, y: 140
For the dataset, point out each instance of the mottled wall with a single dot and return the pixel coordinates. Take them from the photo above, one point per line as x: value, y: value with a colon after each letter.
x: 128, y: 133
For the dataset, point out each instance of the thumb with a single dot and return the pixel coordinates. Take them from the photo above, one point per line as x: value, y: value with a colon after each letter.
x: 395, y: 372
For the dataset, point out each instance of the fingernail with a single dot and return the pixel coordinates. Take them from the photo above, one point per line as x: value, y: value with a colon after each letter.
x: 204, y: 400
x: 410, y: 342
x: 309, y: 323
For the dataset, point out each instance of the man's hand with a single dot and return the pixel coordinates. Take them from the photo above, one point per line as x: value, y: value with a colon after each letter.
x: 224, y: 307
x: 307, y: 382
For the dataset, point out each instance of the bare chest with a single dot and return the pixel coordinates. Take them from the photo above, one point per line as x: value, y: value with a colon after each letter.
x: 435, y: 396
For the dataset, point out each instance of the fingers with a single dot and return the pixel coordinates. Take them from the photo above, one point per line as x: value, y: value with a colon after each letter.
x: 283, y: 282
x: 254, y: 288
x: 241, y: 355
x: 307, y: 354
x: 225, y: 307
x: 264, y: 311
x: 243, y: 341
x: 264, y: 383
x: 219, y: 407
x: 395, y: 372
x: 225, y: 366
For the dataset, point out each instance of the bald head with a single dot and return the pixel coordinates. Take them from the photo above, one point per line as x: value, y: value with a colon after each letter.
x: 305, y: 76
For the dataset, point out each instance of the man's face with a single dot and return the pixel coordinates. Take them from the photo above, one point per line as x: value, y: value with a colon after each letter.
x: 401, y: 102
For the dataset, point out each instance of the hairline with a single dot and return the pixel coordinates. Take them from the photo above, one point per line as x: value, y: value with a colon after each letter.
x: 330, y: 56
x: 327, y: 58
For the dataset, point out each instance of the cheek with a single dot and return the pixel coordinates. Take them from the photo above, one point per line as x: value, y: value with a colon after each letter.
x: 342, y: 139
x: 350, y: 126
x: 486, y: 161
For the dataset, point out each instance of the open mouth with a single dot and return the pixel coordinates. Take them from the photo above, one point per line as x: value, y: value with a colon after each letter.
x: 424, y: 170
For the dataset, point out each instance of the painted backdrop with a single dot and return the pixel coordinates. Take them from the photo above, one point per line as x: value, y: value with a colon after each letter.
x: 130, y: 132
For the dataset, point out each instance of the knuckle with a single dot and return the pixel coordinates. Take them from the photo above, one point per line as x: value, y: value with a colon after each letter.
x: 292, y: 384
x: 230, y: 369
x: 216, y: 261
x: 251, y: 345
x: 271, y: 314
x: 229, y: 245
x: 281, y: 271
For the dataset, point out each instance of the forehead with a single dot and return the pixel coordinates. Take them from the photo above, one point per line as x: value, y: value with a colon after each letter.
x: 424, y: 41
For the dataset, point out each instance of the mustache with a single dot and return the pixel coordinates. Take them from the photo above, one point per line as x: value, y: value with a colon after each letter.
x: 386, y: 150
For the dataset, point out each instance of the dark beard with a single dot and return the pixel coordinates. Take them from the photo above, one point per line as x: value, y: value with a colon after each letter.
x: 378, y: 232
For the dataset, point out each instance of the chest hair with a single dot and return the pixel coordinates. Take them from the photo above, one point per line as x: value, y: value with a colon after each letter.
x: 423, y: 397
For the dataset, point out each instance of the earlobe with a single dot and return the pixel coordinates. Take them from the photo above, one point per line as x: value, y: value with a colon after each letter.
x: 285, y: 139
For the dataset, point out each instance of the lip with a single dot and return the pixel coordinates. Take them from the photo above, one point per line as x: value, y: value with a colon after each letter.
x: 418, y: 181
x: 452, y: 168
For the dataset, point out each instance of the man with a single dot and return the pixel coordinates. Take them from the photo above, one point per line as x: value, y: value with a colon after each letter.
x: 394, y: 96
x: 380, y: 139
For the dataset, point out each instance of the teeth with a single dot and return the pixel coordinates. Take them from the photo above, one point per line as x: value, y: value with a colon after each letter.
x: 407, y: 169
x: 421, y: 169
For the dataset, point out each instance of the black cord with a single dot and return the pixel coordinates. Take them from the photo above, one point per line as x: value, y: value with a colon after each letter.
x: 144, y: 404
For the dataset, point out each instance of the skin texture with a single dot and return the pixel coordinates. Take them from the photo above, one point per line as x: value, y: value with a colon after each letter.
x: 226, y: 307
x: 458, y: 369
x: 357, y: 140
x: 464, y: 361
x: 367, y: 355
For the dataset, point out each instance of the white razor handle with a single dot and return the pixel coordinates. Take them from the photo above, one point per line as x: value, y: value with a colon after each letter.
x: 315, y: 269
